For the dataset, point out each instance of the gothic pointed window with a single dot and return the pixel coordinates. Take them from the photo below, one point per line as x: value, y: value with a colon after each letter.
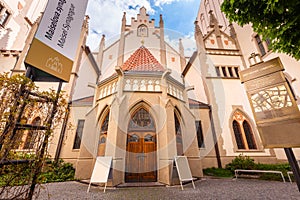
x: 141, y: 121
x: 238, y: 135
x: 32, y: 135
x: 78, y: 135
x: 249, y: 135
x: 103, y: 134
x: 260, y: 45
x: 243, y: 133
x: 104, y: 126
x: 178, y: 134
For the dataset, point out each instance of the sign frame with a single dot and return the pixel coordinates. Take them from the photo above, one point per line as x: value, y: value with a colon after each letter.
x: 101, y: 171
x: 272, y: 103
x: 183, y: 170
x: 54, y: 47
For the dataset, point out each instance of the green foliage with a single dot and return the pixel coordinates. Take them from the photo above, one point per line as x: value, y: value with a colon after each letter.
x: 218, y: 172
x: 57, y: 172
x: 245, y: 162
x: 241, y: 162
x: 277, y: 20
x: 21, y: 174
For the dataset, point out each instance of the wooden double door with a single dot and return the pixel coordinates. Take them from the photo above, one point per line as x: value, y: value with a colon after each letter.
x: 141, y: 163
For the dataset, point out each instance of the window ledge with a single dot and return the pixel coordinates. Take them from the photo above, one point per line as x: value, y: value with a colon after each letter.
x: 250, y: 150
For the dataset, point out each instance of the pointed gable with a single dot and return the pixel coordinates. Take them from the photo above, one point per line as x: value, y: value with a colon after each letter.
x: 142, y: 60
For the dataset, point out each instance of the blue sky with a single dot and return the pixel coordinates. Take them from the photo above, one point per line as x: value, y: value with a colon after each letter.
x: 179, y: 15
x: 106, y: 15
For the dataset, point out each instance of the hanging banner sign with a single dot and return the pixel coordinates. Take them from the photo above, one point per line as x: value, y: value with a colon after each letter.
x: 54, y: 46
x: 274, y: 107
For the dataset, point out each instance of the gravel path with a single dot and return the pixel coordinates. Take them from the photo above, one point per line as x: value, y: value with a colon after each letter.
x: 205, y: 189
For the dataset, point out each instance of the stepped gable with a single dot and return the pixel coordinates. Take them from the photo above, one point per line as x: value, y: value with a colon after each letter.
x: 143, y: 61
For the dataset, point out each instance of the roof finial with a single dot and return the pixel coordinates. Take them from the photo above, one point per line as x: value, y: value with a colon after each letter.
x: 143, y: 41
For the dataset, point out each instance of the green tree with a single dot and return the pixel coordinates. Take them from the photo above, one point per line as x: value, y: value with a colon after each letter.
x: 277, y: 20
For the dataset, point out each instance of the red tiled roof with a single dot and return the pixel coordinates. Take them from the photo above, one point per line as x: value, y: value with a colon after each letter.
x: 195, y: 103
x: 142, y: 60
x: 84, y: 101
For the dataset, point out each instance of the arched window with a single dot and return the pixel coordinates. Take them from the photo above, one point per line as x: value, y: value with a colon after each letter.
x: 104, y: 126
x: 133, y: 138
x: 32, y: 135
x: 249, y: 135
x: 142, y: 31
x: 244, y: 136
x: 103, y: 134
x: 141, y: 121
x: 238, y: 134
x: 178, y: 135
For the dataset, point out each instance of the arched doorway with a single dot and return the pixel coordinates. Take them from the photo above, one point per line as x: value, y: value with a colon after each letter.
x: 141, y: 162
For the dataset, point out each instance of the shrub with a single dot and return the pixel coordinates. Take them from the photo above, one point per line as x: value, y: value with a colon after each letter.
x: 57, y: 172
x: 241, y: 162
x: 218, y: 172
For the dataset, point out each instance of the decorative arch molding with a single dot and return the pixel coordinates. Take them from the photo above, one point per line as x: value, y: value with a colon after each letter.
x: 178, y: 122
x: 35, y: 114
x: 32, y: 135
x: 103, y: 121
x: 103, y: 113
x: 243, y: 132
x: 179, y: 115
x: 147, y: 106
x: 139, y: 104
x: 141, y: 118
x: 142, y: 30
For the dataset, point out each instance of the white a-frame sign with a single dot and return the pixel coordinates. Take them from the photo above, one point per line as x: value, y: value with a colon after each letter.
x: 101, y: 171
x: 183, y: 169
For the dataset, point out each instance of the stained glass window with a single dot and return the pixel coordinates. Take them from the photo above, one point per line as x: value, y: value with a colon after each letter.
x: 141, y: 120
x: 104, y: 126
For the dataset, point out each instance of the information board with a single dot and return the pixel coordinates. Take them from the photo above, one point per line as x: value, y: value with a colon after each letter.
x: 54, y: 46
x: 183, y: 170
x: 101, y: 171
x: 274, y: 107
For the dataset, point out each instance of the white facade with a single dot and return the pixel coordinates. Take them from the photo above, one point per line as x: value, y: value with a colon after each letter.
x: 247, y: 42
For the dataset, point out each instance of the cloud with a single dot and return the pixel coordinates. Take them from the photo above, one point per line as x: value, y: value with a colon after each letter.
x: 106, y: 16
x: 160, y: 3
x: 188, y: 42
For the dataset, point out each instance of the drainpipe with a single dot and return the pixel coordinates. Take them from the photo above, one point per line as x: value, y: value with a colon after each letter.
x: 62, y: 134
x: 215, y: 137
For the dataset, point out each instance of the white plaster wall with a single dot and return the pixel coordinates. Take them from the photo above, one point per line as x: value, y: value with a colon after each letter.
x: 7, y: 63
x: 86, y: 75
x: 226, y: 61
x: 195, y: 78
x: 108, y: 65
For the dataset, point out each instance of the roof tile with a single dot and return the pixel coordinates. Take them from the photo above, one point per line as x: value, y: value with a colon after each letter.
x: 142, y: 60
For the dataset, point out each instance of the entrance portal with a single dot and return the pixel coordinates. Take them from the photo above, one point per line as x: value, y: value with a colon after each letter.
x: 141, y: 165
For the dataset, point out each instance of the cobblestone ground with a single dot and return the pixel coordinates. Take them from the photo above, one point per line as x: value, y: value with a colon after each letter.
x: 205, y: 189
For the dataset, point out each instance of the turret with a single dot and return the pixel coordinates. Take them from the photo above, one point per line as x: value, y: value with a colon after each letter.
x: 215, y: 25
x: 198, y: 37
x: 163, y: 54
x: 182, y: 57
x: 122, y: 42
x: 100, y: 52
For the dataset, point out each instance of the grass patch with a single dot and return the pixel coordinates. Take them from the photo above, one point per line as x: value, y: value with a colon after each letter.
x: 245, y: 162
x: 218, y: 172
